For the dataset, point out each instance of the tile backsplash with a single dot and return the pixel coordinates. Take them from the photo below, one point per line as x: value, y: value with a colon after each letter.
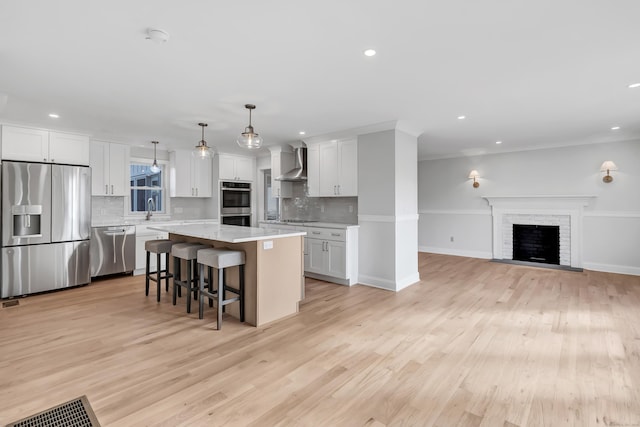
x: 343, y: 210
x: 107, y: 209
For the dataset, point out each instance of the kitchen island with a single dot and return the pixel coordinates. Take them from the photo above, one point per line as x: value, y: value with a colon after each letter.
x: 274, y: 269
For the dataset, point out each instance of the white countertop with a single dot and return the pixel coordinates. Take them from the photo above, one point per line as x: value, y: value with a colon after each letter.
x: 311, y: 224
x: 226, y: 233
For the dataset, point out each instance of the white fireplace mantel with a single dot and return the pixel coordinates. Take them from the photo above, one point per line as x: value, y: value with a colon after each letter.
x: 571, y: 205
x: 540, y: 202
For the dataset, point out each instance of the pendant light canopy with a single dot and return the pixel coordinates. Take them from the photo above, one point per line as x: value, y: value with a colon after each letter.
x: 154, y: 167
x: 202, y: 151
x: 249, y: 138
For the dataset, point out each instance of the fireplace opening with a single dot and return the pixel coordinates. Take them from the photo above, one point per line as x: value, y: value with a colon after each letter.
x: 536, y: 243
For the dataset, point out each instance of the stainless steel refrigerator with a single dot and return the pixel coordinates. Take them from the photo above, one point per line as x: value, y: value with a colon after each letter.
x: 46, y: 227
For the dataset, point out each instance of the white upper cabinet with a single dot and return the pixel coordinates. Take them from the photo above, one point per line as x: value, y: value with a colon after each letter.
x: 313, y: 170
x: 109, y: 169
x: 333, y: 169
x: 189, y: 176
x: 281, y: 162
x: 36, y: 145
x: 348, y: 168
x: 68, y: 148
x: 236, y: 168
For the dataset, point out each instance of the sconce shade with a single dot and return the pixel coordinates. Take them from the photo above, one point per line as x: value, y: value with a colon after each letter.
x: 608, y: 166
x: 474, y: 175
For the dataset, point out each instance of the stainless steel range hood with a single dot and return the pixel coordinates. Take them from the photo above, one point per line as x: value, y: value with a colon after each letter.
x: 299, y: 172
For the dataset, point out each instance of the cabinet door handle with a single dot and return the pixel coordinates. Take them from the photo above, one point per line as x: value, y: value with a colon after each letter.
x: 53, y: 160
x: 196, y: 191
x: 111, y: 188
x: 106, y: 189
x: 335, y: 234
x: 339, y: 192
x: 315, y: 232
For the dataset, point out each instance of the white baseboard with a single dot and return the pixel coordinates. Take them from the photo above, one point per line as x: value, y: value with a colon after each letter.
x: 611, y: 268
x: 389, y: 285
x: 408, y: 281
x: 456, y: 252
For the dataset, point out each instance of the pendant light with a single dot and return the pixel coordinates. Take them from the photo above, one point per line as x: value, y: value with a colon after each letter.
x: 249, y: 139
x: 154, y: 167
x: 201, y: 151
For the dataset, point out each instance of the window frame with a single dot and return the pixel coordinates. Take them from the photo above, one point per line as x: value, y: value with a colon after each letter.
x: 164, y: 188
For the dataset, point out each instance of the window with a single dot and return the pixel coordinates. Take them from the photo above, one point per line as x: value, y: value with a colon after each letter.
x: 270, y: 202
x: 146, y: 185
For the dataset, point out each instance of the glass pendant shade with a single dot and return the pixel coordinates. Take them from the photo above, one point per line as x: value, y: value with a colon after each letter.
x: 249, y: 138
x: 201, y: 151
x: 154, y: 167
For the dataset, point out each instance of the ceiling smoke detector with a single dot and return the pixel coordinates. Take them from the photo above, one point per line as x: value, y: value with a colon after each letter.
x: 157, y: 36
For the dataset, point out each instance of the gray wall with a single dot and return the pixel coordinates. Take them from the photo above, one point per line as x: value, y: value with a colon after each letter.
x: 450, y: 207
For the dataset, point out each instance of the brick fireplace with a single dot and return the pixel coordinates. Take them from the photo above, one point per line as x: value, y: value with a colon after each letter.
x: 565, y: 212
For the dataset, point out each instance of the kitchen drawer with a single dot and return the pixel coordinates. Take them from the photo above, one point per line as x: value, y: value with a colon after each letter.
x: 326, y: 234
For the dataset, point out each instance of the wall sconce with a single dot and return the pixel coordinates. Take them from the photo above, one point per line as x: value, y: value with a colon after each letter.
x: 606, y: 167
x: 474, y: 175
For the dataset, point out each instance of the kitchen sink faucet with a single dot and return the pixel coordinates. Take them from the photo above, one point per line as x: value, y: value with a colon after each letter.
x: 151, y: 206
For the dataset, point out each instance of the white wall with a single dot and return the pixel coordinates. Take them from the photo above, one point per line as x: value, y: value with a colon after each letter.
x: 449, y: 206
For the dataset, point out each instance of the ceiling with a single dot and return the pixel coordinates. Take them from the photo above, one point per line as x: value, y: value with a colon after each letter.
x: 529, y: 73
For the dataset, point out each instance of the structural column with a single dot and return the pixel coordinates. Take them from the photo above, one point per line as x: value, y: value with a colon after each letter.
x: 388, y: 209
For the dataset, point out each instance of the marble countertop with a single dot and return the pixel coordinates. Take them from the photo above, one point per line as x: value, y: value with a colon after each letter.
x: 311, y: 224
x: 226, y: 233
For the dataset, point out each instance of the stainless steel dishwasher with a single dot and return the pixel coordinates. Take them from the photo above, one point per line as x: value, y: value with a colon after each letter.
x: 113, y: 250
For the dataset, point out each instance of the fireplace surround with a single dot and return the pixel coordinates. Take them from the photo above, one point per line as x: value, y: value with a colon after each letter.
x: 566, y: 212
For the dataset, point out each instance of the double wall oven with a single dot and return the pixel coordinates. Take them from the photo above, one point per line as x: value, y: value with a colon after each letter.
x: 235, y: 203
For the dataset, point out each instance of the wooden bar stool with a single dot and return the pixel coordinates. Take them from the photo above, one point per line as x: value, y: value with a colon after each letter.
x: 158, y: 247
x: 189, y: 253
x: 221, y: 259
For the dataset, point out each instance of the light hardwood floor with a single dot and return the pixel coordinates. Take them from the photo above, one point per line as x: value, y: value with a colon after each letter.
x: 475, y: 343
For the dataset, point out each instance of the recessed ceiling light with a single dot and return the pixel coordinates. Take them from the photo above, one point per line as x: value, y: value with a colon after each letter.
x: 54, y: 116
x: 302, y: 132
x: 334, y: 140
x: 634, y: 85
x: 498, y: 142
x: 462, y: 117
x: 615, y: 127
x: 369, y: 52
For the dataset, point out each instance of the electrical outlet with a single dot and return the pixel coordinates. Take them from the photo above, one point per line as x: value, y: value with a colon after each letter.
x: 451, y: 238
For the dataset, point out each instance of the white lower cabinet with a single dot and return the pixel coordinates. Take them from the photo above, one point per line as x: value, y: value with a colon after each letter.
x: 327, y: 252
x: 330, y: 254
x: 141, y: 254
x: 142, y: 236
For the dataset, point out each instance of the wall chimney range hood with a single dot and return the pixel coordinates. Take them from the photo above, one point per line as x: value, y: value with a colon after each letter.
x: 299, y: 172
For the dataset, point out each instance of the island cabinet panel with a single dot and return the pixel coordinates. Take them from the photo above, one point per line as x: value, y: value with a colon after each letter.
x: 281, y: 300
x: 274, y: 277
